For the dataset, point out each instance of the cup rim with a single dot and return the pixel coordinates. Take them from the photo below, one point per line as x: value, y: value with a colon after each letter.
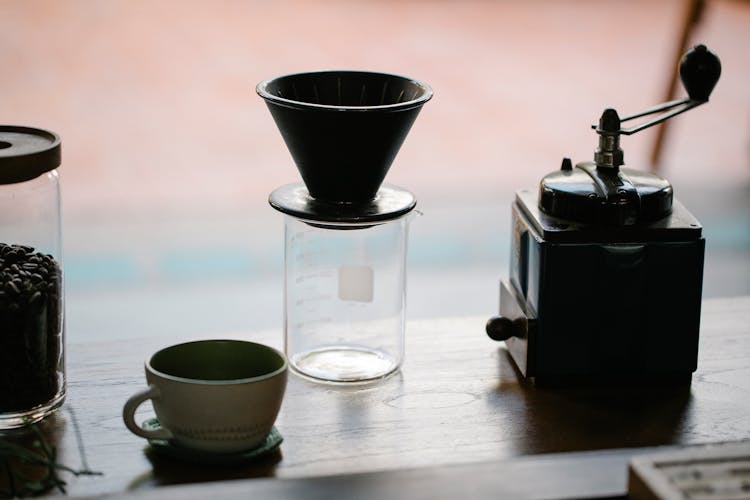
x: 234, y: 381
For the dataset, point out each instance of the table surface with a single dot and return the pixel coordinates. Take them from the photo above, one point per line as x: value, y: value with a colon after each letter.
x: 458, y: 400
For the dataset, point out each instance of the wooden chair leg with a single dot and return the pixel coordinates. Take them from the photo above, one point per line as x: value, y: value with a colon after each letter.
x: 692, y: 17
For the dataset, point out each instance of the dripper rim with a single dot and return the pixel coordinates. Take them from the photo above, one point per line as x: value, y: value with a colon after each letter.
x: 425, y: 96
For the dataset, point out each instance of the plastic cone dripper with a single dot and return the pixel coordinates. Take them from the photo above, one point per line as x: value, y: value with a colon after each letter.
x: 344, y: 128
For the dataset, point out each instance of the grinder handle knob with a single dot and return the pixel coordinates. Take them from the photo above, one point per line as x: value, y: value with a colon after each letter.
x: 700, y: 69
x: 500, y: 328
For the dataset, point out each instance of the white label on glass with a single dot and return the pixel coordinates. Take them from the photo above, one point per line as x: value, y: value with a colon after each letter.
x: 356, y: 283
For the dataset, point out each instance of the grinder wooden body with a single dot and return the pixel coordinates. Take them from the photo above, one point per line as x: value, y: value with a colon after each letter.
x: 586, y: 302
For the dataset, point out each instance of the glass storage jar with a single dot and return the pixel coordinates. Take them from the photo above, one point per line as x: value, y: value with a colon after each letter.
x: 32, y: 370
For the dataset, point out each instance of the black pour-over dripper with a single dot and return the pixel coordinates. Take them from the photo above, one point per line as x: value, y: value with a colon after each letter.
x: 343, y: 129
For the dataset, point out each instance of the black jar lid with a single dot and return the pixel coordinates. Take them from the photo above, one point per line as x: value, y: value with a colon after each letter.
x: 605, y: 196
x: 27, y: 153
x: 390, y: 202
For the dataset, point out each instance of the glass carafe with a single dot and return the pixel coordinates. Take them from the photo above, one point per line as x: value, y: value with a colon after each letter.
x: 344, y: 294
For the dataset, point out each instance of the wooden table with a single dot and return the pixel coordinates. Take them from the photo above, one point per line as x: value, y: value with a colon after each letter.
x: 458, y: 400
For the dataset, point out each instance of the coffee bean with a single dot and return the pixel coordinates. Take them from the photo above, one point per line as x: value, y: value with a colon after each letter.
x: 30, y: 328
x: 11, y: 287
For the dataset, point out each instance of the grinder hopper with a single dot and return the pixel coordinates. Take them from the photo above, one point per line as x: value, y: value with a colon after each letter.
x: 344, y: 289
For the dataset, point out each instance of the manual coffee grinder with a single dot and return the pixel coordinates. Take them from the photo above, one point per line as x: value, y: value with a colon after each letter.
x: 345, y: 231
x: 606, y: 267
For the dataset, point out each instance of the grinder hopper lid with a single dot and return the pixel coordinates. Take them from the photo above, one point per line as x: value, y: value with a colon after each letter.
x: 591, y: 195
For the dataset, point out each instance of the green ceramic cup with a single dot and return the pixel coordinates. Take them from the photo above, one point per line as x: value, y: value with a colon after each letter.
x: 218, y: 396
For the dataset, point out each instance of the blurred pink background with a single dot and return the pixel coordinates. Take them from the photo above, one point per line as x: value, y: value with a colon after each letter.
x: 156, y: 105
x: 169, y: 155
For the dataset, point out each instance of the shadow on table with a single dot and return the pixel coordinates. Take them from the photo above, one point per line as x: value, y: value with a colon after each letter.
x: 589, y: 418
x: 170, y: 471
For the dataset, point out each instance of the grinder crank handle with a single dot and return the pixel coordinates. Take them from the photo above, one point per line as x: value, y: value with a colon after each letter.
x: 700, y: 70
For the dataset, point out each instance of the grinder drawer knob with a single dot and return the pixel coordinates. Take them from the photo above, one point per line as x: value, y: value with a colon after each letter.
x: 500, y: 328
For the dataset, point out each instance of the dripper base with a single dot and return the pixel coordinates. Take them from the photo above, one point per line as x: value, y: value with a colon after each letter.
x: 390, y: 202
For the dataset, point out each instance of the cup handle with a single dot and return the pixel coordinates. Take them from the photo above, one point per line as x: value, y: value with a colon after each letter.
x: 128, y: 415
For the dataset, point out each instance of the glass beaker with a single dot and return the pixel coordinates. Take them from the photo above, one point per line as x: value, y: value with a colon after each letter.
x: 344, y: 292
x: 32, y: 373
